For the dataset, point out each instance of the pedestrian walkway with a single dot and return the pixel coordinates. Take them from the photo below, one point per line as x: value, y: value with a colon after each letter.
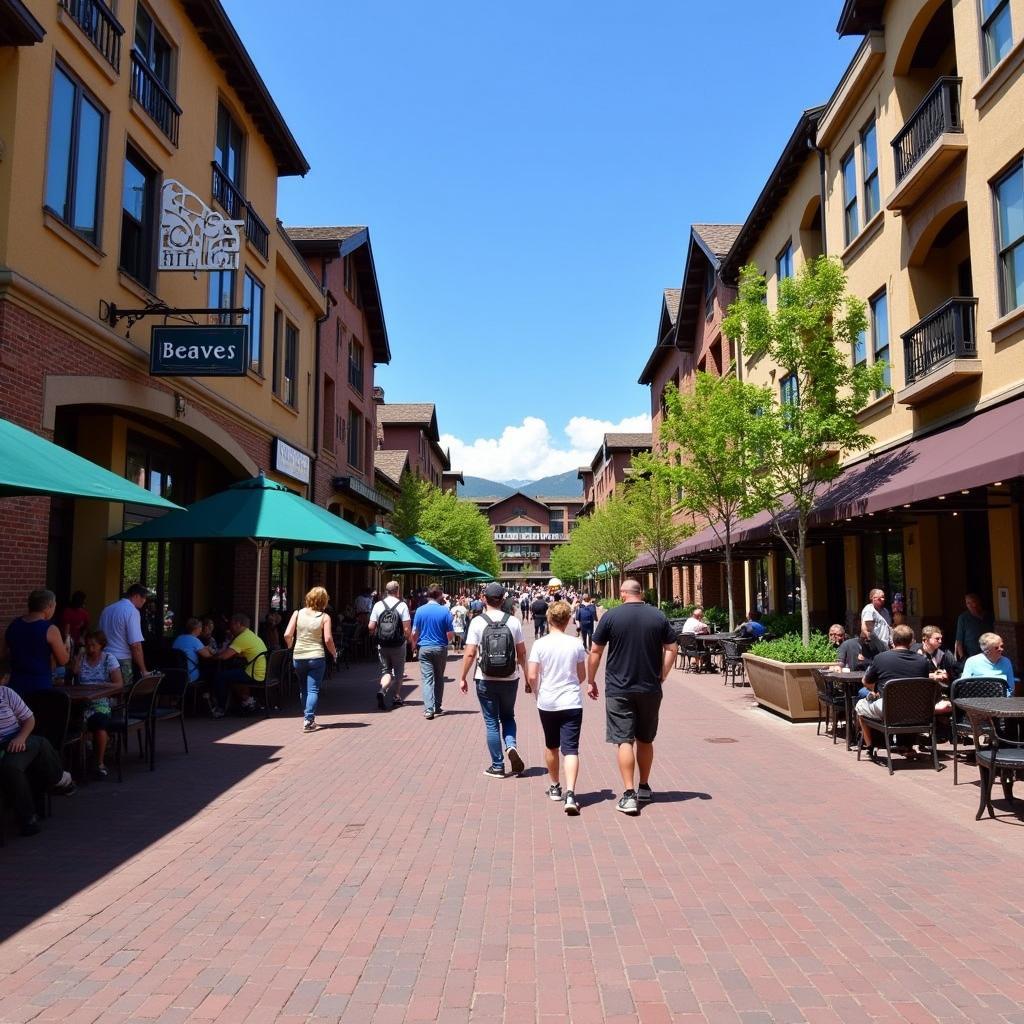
x: 368, y: 872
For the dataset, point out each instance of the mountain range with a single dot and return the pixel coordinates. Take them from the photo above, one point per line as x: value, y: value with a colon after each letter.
x: 562, y: 485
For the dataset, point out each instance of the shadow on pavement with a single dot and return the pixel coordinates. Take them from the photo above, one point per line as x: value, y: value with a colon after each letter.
x: 673, y: 796
x: 599, y: 797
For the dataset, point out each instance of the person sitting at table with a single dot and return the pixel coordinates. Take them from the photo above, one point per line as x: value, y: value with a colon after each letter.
x: 899, y: 663
x: 247, y: 646
x: 752, y: 627
x: 991, y: 661
x: 857, y: 653
x: 34, y: 645
x: 208, y: 635
x: 695, y: 623
x: 271, y: 632
x: 191, y: 645
x: 836, y: 635
x: 27, y: 762
x: 943, y: 661
x: 95, y: 666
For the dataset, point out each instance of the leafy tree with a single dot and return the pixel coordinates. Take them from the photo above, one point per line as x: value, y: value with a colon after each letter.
x: 405, y: 520
x: 458, y: 528
x: 800, y: 441
x: 649, y: 498
x: 569, y: 561
x: 710, y: 427
x: 610, y: 535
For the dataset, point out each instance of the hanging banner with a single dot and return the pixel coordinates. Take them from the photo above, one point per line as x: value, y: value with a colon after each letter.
x: 217, y: 351
x: 194, y: 237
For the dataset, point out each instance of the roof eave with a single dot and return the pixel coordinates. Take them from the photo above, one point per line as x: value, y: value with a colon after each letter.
x: 859, y: 17
x: 18, y: 25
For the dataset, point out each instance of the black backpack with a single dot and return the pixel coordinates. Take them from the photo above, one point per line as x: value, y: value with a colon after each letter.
x: 497, y: 649
x: 389, y: 626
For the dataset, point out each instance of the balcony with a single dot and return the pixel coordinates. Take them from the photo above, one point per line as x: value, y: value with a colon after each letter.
x: 940, y: 352
x: 929, y: 143
x: 257, y: 232
x: 237, y: 207
x: 152, y: 95
x: 100, y: 26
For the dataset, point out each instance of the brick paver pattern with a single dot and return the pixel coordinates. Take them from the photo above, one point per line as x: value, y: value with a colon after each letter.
x: 368, y: 872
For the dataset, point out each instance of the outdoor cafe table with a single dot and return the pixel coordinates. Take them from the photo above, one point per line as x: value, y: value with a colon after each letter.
x: 710, y: 644
x: 80, y: 692
x: 989, y: 708
x: 851, y: 683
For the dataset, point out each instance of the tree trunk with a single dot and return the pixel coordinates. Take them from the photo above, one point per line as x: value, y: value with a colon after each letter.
x: 660, y: 567
x: 801, y: 565
x: 728, y: 577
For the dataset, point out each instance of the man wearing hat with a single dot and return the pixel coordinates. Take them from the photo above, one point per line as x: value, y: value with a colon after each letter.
x: 497, y: 694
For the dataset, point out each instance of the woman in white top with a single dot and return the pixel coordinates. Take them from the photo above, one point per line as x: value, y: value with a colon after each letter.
x: 309, y: 636
x: 556, y: 673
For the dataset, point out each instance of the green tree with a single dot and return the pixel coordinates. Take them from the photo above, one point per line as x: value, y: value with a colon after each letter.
x: 610, y: 535
x: 405, y: 520
x: 710, y: 428
x: 802, y: 437
x: 649, y: 498
x: 458, y: 528
x: 568, y: 561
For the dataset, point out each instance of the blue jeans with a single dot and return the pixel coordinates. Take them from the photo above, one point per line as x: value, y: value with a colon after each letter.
x: 498, y: 704
x: 310, y: 673
x: 432, y: 663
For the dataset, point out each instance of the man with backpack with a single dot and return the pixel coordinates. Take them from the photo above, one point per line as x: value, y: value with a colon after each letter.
x: 495, y: 642
x: 390, y: 626
x: 586, y: 616
x: 432, y: 632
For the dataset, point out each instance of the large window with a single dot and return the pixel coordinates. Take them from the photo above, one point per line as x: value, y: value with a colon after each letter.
x: 252, y: 300
x: 997, y: 31
x: 355, y: 437
x: 329, y: 422
x: 275, y: 359
x: 228, y: 150
x: 156, y: 52
x: 290, y: 367
x: 880, y: 333
x: 860, y: 348
x: 851, y: 217
x: 138, y: 218
x: 1009, y: 191
x: 869, y: 158
x: 222, y: 293
x: 790, y: 586
x: 784, y: 263
x: 789, y: 390
x: 74, y: 156
x: 355, y: 365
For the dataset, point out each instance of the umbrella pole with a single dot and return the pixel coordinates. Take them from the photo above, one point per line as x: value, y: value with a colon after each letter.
x: 256, y: 596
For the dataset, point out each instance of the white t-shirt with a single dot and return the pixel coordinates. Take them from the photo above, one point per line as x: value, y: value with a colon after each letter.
x: 559, y: 686
x: 459, y: 618
x: 692, y: 625
x: 476, y: 632
x: 881, y: 620
x: 123, y: 626
x: 402, y: 608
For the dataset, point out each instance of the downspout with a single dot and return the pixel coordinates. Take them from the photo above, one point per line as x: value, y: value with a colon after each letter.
x: 317, y: 383
x: 811, y: 144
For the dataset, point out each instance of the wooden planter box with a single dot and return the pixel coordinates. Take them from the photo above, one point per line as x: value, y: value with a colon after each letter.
x: 785, y: 688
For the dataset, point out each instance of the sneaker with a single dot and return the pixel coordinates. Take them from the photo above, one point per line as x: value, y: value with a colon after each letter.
x: 249, y: 704
x: 428, y: 715
x: 555, y: 792
x: 397, y: 702
x: 66, y: 786
x: 309, y: 726
x: 439, y: 712
x: 217, y: 713
x: 516, y: 763
x: 571, y: 807
x: 644, y: 794
x: 101, y: 770
x: 628, y: 803
x: 380, y: 701
x: 494, y: 773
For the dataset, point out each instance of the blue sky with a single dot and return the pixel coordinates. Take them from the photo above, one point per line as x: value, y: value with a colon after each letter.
x: 529, y: 172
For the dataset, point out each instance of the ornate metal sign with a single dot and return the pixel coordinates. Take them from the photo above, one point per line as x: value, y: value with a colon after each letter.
x: 192, y: 236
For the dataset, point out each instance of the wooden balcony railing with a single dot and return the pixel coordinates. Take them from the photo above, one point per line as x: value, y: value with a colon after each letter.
x: 100, y: 25
x: 937, y: 114
x: 944, y: 334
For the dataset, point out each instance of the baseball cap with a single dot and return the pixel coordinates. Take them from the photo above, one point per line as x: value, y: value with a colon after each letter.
x: 494, y: 590
x: 554, y: 582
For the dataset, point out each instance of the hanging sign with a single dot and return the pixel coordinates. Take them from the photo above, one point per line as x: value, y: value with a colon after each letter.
x: 291, y: 461
x: 220, y: 350
x: 192, y: 236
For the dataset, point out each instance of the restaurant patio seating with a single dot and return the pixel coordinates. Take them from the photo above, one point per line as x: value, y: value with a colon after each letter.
x: 732, y: 662
x: 52, y: 712
x: 691, y: 650
x: 966, y: 689
x: 1005, y: 755
x: 908, y: 708
x: 831, y: 703
x: 279, y: 674
x: 173, y: 689
x: 135, y: 714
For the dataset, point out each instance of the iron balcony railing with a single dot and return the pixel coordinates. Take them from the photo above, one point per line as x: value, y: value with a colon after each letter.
x: 152, y: 95
x: 257, y: 232
x: 237, y: 207
x: 945, y: 333
x: 98, y: 22
x: 936, y: 114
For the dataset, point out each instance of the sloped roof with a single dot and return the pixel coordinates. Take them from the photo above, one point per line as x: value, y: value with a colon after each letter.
x: 717, y: 238
x: 391, y: 462
x: 666, y: 333
x: 672, y: 303
x: 324, y: 234
x: 629, y: 440
x: 419, y: 413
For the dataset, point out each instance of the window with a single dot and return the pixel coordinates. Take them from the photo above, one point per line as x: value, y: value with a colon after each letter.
x: 275, y: 369
x: 996, y: 30
x: 860, y: 348
x: 880, y: 333
x: 252, y: 299
x: 156, y: 52
x: 790, y: 586
x: 329, y: 421
x: 1010, y: 213
x: 789, y: 390
x: 355, y: 365
x: 290, y: 369
x: 74, y: 156
x: 222, y: 294
x: 138, y: 218
x: 355, y: 437
x: 229, y: 146
x: 850, y: 218
x: 784, y: 263
x: 709, y: 292
x: 869, y: 158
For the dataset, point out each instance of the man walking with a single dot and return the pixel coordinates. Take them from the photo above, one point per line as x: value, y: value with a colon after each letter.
x: 122, y: 624
x: 498, y: 639
x: 432, y: 632
x: 586, y: 617
x: 641, y: 651
x: 391, y: 626
x: 539, y: 611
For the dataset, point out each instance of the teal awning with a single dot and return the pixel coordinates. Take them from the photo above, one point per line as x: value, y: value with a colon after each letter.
x: 397, y: 555
x: 445, y: 564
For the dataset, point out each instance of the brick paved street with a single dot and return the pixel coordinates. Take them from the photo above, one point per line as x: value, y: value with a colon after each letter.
x: 369, y: 873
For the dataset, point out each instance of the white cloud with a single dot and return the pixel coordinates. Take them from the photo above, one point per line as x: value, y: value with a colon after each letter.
x: 528, y: 451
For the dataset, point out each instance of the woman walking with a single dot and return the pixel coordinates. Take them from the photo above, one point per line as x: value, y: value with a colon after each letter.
x: 556, y: 673
x: 309, y: 636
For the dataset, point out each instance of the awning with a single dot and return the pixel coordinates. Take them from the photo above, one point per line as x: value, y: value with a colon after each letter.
x: 398, y: 555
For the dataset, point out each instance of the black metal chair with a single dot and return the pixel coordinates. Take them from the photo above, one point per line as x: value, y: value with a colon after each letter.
x: 52, y: 712
x: 908, y: 708
x: 826, y: 705
x: 691, y: 651
x: 174, y: 689
x: 1003, y: 755
x: 279, y: 673
x: 963, y: 689
x: 732, y: 662
x: 135, y: 714
x: 346, y: 643
x: 267, y: 683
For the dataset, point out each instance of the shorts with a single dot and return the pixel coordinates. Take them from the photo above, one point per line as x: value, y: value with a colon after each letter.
x: 562, y: 729
x: 97, y: 721
x: 631, y: 716
x: 392, y: 661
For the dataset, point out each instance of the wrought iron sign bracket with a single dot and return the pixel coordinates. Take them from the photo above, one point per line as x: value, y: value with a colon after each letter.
x: 112, y: 314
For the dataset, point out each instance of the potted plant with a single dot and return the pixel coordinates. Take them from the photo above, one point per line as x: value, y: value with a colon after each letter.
x: 781, y: 674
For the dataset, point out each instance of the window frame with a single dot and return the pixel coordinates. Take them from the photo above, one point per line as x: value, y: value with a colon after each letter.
x: 155, y: 32
x: 255, y: 337
x: 275, y: 356
x: 149, y: 223
x: 851, y: 226
x: 238, y: 180
x: 354, y: 437
x: 986, y: 22
x: 356, y: 367
x: 290, y: 359
x: 80, y: 92
x: 785, y: 254
x: 1003, y: 250
x: 882, y: 295
x: 870, y: 182
x: 218, y: 275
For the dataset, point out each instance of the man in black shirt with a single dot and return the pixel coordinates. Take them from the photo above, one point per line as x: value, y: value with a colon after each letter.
x: 642, y: 648
x: 539, y: 610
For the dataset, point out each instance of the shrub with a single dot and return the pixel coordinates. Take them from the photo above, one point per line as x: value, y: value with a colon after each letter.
x: 790, y: 649
x: 609, y: 602
x: 781, y: 623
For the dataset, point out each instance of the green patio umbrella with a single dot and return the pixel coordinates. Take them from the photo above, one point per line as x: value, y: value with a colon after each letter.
x: 446, y: 565
x: 260, y: 511
x: 472, y: 572
x: 396, y: 555
x: 29, y: 464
